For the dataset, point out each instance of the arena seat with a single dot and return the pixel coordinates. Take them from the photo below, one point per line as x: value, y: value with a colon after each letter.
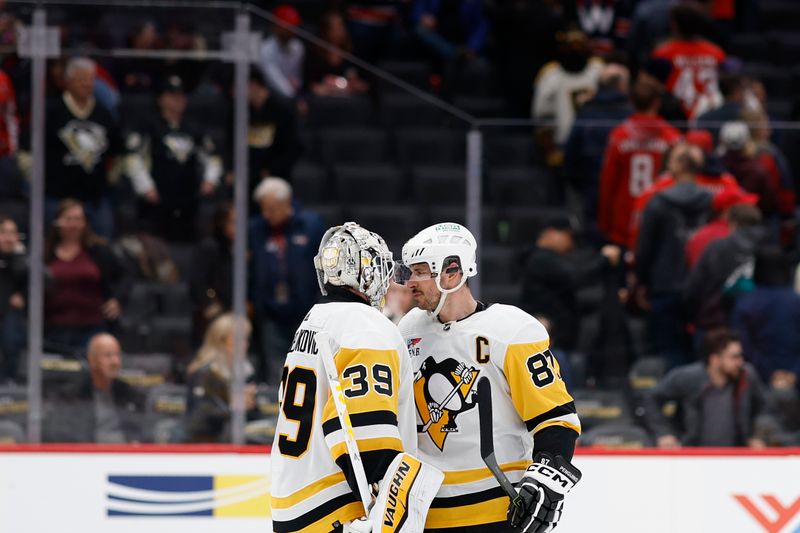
x: 310, y: 182
x: 439, y: 185
x: 520, y: 186
x: 341, y: 146
x: 11, y: 433
x: 619, y: 436
x: 332, y: 110
x: 422, y: 146
x: 600, y: 407
x: 502, y: 149
x: 370, y: 184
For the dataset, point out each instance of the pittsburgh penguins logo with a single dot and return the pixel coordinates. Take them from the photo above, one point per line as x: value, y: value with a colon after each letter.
x: 179, y: 145
x: 86, y: 142
x: 442, y: 391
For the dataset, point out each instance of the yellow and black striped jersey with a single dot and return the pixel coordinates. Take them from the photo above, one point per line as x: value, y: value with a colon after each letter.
x: 312, y: 483
x: 511, y: 348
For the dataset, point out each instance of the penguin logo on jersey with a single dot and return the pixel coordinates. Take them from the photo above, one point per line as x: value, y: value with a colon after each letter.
x: 179, y: 145
x: 86, y: 141
x: 442, y: 391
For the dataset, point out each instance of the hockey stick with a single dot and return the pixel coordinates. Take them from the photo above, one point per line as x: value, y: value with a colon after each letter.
x: 446, y: 399
x: 487, y: 441
x: 323, y: 345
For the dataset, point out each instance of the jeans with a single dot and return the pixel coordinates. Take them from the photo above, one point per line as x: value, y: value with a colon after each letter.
x: 666, y: 329
x: 13, y: 333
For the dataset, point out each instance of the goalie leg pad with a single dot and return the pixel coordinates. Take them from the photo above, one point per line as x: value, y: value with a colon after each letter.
x: 406, y: 494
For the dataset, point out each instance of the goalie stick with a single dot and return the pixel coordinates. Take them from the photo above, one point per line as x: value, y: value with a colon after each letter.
x: 487, y: 441
x: 323, y: 345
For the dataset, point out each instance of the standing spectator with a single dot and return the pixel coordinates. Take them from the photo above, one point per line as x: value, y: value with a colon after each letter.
x: 208, y: 411
x: 376, y: 27
x: 719, y: 398
x: 9, y: 139
x: 212, y: 275
x: 562, y: 86
x: 587, y: 141
x: 81, y: 138
x: 183, y: 166
x: 283, y: 242
x: 667, y: 222
x: 327, y: 72
x: 454, y: 30
x: 552, y: 279
x: 101, y: 408
x: 282, y: 54
x: 633, y: 156
x: 720, y: 227
x: 738, y: 156
x: 714, y: 178
x: 724, y: 269
x: 13, y: 283
x: 732, y: 87
x: 659, y: 71
x: 695, y: 60
x: 271, y: 135
x: 87, y: 280
x: 767, y: 319
x: 140, y: 75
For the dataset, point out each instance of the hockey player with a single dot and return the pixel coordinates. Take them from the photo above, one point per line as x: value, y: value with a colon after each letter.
x: 314, y: 488
x: 455, y: 340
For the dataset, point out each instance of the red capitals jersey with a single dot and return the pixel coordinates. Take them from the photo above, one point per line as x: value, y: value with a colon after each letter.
x: 632, y: 160
x: 694, y: 76
x: 9, y: 127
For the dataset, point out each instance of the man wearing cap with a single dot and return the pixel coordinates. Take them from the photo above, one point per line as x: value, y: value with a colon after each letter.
x: 282, y: 53
x: 171, y: 164
x: 720, y: 227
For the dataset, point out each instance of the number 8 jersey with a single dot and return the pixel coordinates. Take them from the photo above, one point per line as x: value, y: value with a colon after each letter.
x: 313, y: 488
x: 511, y: 349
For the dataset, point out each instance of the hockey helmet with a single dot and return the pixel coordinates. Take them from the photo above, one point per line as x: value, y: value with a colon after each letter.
x: 352, y: 256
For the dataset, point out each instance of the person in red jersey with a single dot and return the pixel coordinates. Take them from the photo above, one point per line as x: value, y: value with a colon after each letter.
x: 714, y: 178
x: 632, y: 159
x: 696, y: 62
x: 9, y: 127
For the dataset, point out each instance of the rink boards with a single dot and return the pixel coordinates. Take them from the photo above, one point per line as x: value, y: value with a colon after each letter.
x: 107, y: 489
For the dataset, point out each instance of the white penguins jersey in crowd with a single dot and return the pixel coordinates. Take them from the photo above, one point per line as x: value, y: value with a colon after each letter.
x: 509, y: 347
x: 310, y: 463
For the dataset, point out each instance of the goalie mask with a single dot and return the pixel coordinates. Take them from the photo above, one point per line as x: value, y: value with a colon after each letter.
x: 351, y: 256
x: 438, y: 246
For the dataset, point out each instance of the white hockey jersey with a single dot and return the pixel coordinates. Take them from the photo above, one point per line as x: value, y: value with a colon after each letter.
x: 509, y: 347
x: 310, y: 465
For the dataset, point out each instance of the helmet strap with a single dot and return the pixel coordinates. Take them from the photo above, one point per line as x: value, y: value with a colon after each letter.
x: 445, y: 292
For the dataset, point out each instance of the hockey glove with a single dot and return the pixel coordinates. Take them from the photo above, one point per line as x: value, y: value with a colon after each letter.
x: 542, y: 490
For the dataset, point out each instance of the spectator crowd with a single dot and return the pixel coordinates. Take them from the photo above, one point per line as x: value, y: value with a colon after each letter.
x: 660, y: 244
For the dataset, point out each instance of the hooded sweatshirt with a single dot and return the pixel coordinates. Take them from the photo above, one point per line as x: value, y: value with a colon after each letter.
x: 668, y: 221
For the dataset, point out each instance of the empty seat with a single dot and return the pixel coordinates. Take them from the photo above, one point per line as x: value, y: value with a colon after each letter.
x: 396, y: 223
x: 175, y: 300
x: 646, y: 372
x: 509, y: 149
x: 429, y: 147
x: 61, y: 372
x: 11, y: 433
x: 439, y: 185
x: 520, y: 186
x: 597, y: 407
x: 146, y: 370
x: 142, y: 301
x: 353, y: 145
x: 499, y: 264
x: 371, y: 184
x: 403, y: 110
x: 480, y: 106
x: 170, y: 334
x: 619, y: 436
x: 414, y: 73
x: 310, y: 182
x: 327, y: 111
